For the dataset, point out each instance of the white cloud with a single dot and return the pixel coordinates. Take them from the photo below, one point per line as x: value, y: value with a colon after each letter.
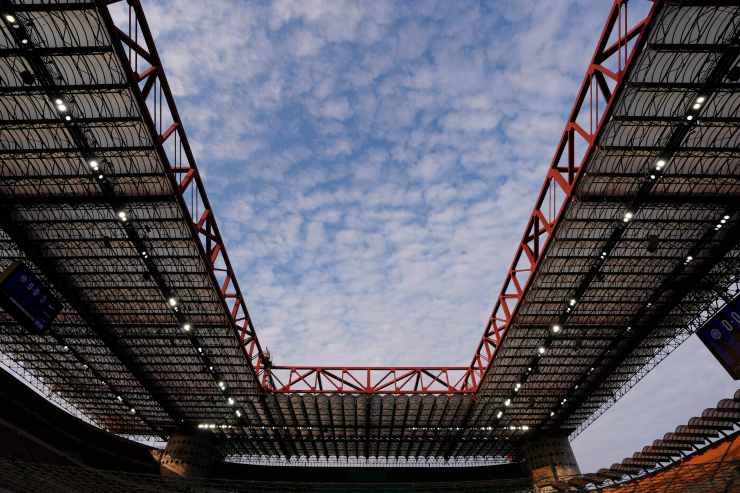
x: 470, y: 120
x: 372, y: 164
x: 335, y: 108
x: 432, y: 166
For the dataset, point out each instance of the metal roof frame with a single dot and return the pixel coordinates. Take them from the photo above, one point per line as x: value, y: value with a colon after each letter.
x: 101, y: 196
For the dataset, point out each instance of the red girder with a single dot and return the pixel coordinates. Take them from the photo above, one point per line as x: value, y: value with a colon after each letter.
x: 370, y: 380
x: 152, y: 92
x: 599, y: 88
x: 610, y: 60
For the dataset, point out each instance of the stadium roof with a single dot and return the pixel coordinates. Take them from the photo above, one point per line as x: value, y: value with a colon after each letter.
x: 633, y: 241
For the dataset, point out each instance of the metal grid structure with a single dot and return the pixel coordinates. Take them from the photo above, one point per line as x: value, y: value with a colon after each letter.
x: 633, y: 241
x: 715, y: 425
x: 710, y: 477
x: 642, y: 245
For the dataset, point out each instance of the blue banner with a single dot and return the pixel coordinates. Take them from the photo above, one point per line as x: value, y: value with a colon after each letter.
x: 721, y: 335
x: 24, y: 296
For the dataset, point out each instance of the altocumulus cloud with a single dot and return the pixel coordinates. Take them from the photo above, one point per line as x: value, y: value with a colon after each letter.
x: 372, y: 164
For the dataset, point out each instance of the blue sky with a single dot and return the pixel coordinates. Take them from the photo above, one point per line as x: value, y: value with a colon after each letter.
x: 372, y: 165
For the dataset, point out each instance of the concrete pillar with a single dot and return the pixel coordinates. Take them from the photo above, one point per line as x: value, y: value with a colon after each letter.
x: 550, y: 459
x: 189, y: 454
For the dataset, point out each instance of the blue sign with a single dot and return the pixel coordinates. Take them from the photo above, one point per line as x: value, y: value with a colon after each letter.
x: 721, y: 335
x: 24, y: 296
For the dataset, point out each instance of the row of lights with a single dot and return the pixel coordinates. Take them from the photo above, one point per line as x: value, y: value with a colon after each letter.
x: 698, y: 102
x: 213, y: 426
x: 717, y: 227
x: 123, y: 217
x: 59, y: 103
x: 187, y: 327
x: 722, y: 222
x: 63, y: 109
x: 661, y: 162
x: 14, y: 22
x: 629, y: 215
x: 541, y: 351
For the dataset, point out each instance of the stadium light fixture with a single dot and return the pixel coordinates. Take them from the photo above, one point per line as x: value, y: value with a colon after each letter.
x: 10, y: 18
x: 172, y: 301
x: 231, y: 401
x: 507, y: 402
x: 499, y: 414
x: 122, y: 216
x: 132, y: 410
x: 556, y: 329
x: 628, y: 216
x: 700, y: 100
x: 186, y: 327
x: 541, y: 350
x: 238, y: 413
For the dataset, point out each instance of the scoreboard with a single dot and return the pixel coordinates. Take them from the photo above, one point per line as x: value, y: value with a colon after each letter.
x: 721, y: 335
x: 24, y: 296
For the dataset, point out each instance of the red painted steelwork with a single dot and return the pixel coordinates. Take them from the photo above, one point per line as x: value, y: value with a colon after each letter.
x: 153, y: 94
x: 614, y: 53
x: 370, y: 380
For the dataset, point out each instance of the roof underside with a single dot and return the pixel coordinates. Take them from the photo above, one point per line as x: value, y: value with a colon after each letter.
x: 123, y: 340
x: 642, y: 297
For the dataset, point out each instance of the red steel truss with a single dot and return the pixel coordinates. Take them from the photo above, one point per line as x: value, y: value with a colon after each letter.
x: 155, y: 334
x: 152, y: 91
x: 620, y: 40
x: 370, y: 380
